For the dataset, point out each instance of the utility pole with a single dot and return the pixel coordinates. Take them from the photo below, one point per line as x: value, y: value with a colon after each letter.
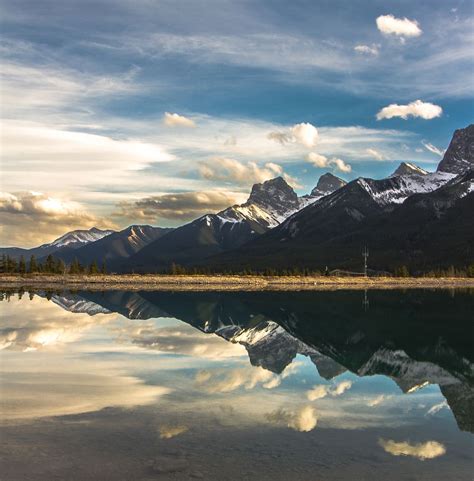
x: 365, y: 255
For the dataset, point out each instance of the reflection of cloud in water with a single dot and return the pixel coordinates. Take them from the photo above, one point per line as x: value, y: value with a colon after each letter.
x: 303, y: 419
x: 48, y: 393
x: 221, y: 381
x: 436, y: 408
x: 377, y: 400
x: 168, y: 431
x: 40, y: 325
x: 180, y: 339
x: 319, y: 392
x: 427, y: 450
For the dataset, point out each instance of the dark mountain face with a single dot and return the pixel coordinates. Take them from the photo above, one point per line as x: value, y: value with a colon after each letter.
x: 268, y: 204
x: 116, y: 247
x: 327, y: 184
x: 274, y: 195
x: 430, y: 230
x: 460, y: 154
x: 406, y: 168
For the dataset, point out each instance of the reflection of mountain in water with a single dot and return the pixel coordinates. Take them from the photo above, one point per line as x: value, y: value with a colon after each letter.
x: 414, y: 337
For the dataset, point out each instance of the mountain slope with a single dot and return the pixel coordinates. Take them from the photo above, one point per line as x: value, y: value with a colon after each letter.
x: 428, y: 230
x: 268, y: 204
x: 115, y: 247
x: 70, y: 241
x: 407, y: 168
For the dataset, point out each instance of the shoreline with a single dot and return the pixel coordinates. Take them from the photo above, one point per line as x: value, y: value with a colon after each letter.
x: 227, y: 282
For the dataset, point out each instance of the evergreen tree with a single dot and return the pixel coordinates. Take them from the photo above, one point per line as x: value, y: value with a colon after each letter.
x: 22, y: 265
x: 3, y: 264
x: 93, y: 269
x: 33, y: 265
x: 103, y: 270
x: 49, y: 265
x: 60, y: 267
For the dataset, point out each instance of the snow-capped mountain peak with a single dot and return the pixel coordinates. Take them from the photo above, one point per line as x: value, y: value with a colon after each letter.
x: 459, y: 157
x: 78, y: 238
x: 407, y: 168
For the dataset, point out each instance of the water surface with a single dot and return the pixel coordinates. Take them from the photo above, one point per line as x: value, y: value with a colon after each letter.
x: 253, y: 385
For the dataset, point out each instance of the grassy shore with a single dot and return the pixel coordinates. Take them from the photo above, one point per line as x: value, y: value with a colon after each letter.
x: 225, y: 282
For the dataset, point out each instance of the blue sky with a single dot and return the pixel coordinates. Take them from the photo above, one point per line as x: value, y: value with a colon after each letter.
x: 86, y: 87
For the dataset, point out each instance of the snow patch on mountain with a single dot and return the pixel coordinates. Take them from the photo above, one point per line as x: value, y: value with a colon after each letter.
x: 78, y: 238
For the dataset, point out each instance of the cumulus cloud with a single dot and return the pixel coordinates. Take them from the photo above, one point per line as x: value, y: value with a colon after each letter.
x: 433, y: 148
x: 400, y: 27
x: 322, y: 161
x: 303, y: 419
x: 367, y: 49
x: 424, y: 110
x: 375, y: 154
x: 317, y: 160
x: 176, y: 120
x: 181, y: 206
x: 32, y: 218
x: 428, y: 450
x: 340, y: 165
x: 304, y: 133
x: 319, y: 392
x: 243, y: 173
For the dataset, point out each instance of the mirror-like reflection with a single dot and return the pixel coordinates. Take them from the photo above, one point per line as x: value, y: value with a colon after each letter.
x: 275, y: 385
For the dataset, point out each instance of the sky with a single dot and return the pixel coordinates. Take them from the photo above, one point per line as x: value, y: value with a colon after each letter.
x: 110, y: 105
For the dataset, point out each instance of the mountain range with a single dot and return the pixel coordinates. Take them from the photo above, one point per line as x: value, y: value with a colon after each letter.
x: 413, y: 217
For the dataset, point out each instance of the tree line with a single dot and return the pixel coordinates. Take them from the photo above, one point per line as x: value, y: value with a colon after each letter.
x: 51, y: 265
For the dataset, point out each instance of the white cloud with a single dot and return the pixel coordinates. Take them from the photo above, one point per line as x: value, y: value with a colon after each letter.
x: 322, y: 161
x: 242, y: 173
x: 304, y: 419
x: 422, y: 451
x: 401, y: 27
x: 305, y: 133
x: 339, y: 164
x: 433, y: 148
x: 367, y: 49
x: 424, y: 110
x: 317, y: 160
x: 375, y: 154
x: 320, y: 392
x: 176, y: 120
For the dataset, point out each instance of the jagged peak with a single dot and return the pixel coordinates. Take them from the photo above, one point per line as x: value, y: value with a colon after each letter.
x: 407, y: 168
x: 459, y: 156
x: 327, y: 184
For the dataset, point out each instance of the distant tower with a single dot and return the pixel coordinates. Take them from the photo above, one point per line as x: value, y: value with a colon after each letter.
x: 365, y: 255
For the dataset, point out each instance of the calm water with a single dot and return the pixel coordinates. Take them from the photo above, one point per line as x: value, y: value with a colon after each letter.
x: 245, y: 386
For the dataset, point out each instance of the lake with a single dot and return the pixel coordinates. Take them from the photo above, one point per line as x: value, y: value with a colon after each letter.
x: 315, y: 385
